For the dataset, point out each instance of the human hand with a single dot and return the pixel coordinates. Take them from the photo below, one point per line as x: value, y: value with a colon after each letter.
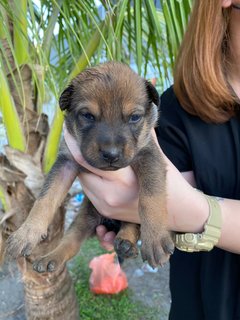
x: 106, y: 238
x: 115, y: 194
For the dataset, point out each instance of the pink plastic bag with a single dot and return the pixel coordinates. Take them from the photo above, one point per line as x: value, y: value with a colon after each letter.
x: 107, y: 277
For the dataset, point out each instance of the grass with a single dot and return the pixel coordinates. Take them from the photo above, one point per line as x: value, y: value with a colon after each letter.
x: 108, y: 307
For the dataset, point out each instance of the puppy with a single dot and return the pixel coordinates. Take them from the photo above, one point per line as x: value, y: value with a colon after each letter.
x: 110, y: 111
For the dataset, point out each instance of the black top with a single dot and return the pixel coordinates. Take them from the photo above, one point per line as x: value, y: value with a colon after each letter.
x: 205, y: 285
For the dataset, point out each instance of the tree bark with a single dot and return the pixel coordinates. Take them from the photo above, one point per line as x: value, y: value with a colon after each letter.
x: 49, y: 295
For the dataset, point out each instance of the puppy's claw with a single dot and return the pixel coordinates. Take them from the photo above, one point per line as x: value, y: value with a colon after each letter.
x: 168, y: 245
x: 15, y: 246
x: 26, y: 251
x: 51, y: 266
x: 23, y: 241
x: 44, y: 236
x: 157, y: 250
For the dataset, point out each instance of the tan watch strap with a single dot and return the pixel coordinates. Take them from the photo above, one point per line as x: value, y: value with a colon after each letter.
x: 192, y: 242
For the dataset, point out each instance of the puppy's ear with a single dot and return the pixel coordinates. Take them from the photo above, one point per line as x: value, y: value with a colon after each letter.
x: 66, y: 98
x: 152, y: 93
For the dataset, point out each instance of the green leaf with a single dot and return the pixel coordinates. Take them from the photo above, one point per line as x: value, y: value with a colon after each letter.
x: 90, y: 49
x: 11, y: 120
x: 138, y: 34
x: 53, y: 140
x: 20, y: 31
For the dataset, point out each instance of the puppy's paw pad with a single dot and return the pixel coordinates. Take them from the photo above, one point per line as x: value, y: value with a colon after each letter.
x: 125, y: 248
x: 45, y: 265
x: 27, y: 250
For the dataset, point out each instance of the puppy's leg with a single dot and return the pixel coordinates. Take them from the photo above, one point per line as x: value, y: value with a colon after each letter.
x: 126, y: 240
x: 54, y: 190
x: 83, y: 227
x: 157, y: 243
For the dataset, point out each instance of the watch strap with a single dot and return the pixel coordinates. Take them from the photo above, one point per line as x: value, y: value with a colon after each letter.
x: 205, y: 241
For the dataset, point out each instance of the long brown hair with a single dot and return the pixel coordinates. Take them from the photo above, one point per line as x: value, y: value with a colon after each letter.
x: 200, y: 80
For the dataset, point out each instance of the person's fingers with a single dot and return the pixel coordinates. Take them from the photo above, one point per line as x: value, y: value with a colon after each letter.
x: 104, y: 235
x: 107, y: 195
x: 109, y: 237
x: 91, y: 180
x: 108, y: 241
x: 100, y: 232
x: 105, y: 238
x: 107, y: 246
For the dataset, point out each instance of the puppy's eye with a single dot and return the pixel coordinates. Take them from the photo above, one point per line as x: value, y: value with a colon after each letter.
x: 88, y: 116
x: 135, y: 118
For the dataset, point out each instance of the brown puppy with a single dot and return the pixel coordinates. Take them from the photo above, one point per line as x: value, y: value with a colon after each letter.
x: 110, y: 111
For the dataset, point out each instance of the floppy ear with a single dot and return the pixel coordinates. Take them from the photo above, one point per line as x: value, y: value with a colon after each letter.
x: 66, y: 98
x: 152, y: 93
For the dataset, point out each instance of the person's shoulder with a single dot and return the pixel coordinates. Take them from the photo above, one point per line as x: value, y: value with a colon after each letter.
x: 170, y: 106
x: 168, y: 96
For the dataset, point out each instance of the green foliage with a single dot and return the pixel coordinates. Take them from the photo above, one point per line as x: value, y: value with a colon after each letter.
x: 60, y: 38
x: 176, y: 14
x: 15, y: 137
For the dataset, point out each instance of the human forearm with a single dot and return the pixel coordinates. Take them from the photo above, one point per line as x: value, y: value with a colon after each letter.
x: 115, y: 195
x: 189, y: 212
x: 192, y: 218
x: 230, y: 235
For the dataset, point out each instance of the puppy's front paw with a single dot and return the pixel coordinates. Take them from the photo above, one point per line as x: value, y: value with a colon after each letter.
x: 125, y: 248
x: 156, y: 247
x: 24, y: 240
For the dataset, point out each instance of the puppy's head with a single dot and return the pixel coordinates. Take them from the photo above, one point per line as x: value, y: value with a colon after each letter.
x: 110, y: 111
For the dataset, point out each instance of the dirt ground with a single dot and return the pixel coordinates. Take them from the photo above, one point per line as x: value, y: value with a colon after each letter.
x: 151, y: 288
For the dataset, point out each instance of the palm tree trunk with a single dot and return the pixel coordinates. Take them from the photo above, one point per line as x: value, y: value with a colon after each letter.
x: 50, y: 295
x: 58, y: 292
x: 47, y: 296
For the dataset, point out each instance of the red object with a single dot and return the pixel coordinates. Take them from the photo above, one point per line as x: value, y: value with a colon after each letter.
x: 107, y: 277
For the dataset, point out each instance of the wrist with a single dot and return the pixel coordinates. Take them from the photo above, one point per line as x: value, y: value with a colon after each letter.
x: 206, y: 240
x: 188, y: 210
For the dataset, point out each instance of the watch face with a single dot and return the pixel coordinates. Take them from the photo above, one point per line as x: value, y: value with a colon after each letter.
x: 194, y: 242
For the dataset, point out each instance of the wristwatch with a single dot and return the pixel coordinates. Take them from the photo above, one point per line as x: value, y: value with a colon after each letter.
x: 205, y: 241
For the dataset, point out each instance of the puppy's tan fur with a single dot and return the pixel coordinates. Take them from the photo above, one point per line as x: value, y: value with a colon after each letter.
x: 110, y: 111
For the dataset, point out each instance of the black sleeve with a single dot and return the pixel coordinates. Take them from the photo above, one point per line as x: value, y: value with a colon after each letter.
x: 171, y: 132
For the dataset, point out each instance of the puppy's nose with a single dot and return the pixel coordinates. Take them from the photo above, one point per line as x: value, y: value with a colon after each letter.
x: 110, y: 155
